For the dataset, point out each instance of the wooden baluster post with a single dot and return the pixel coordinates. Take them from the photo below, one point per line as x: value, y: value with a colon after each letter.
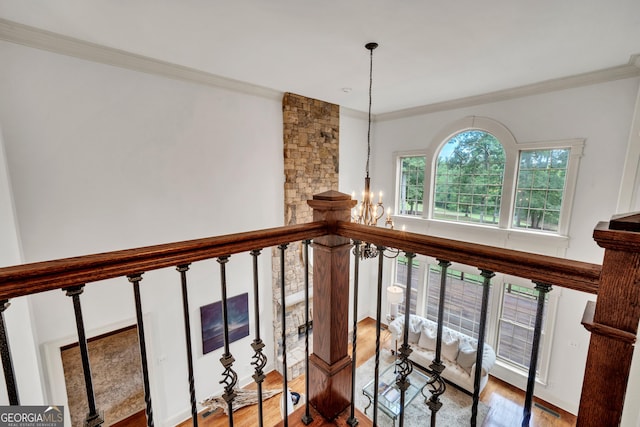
x: 330, y: 364
x: 613, y: 323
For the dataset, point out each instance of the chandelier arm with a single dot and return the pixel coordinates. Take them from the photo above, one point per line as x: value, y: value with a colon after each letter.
x: 379, y: 211
x: 391, y: 253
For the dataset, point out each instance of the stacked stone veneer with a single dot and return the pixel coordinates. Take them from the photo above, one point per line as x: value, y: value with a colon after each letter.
x: 311, y: 134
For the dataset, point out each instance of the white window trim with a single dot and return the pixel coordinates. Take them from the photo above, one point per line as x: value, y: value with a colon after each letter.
x: 512, y: 153
x: 488, y: 125
x: 504, y: 370
x: 576, y: 148
x: 398, y: 156
x: 546, y: 337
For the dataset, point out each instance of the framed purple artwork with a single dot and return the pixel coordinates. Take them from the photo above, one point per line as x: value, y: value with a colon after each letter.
x: 211, y: 317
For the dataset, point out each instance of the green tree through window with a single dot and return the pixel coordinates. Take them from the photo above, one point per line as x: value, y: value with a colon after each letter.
x: 469, y: 174
x: 412, y: 185
x: 540, y: 187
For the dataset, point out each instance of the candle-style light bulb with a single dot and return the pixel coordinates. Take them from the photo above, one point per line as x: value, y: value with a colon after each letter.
x: 380, y: 197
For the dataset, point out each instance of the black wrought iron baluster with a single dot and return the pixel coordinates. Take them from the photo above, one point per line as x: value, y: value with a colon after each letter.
x: 230, y: 377
x: 135, y: 280
x: 7, y: 363
x: 306, y: 418
x: 378, y: 328
x: 352, y: 420
x: 404, y: 365
x: 436, y: 383
x: 543, y: 289
x: 187, y: 334
x: 486, y: 285
x: 93, y: 418
x: 259, y: 359
x: 283, y: 319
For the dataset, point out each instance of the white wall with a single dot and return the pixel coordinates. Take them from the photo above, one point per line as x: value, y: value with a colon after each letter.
x: 353, y: 155
x: 20, y: 334
x: 602, y: 115
x: 102, y: 158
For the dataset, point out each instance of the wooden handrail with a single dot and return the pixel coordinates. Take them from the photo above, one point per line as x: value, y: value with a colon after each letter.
x: 63, y: 273
x: 554, y: 271
x: 43, y: 276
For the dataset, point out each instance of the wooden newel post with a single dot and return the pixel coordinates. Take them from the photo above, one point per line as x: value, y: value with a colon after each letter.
x: 330, y: 364
x: 613, y: 323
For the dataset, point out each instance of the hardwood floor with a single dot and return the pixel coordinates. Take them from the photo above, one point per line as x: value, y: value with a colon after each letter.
x: 505, y: 401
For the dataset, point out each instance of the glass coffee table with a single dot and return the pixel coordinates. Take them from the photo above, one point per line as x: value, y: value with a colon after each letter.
x: 389, y: 394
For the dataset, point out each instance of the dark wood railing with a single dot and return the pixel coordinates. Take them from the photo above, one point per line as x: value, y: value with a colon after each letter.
x: 38, y: 277
x: 613, y: 321
x: 561, y: 272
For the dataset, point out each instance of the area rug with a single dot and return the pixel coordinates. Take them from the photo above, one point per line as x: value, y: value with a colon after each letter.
x: 456, y: 405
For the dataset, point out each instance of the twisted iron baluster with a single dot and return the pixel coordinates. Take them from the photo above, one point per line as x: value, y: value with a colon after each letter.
x: 404, y: 365
x: 259, y: 359
x: 436, y: 384
x: 7, y: 363
x: 230, y: 378
x: 306, y: 418
x: 543, y: 289
x: 378, y: 316
x: 486, y: 285
x: 187, y: 334
x: 135, y: 280
x: 93, y: 418
x: 352, y: 420
x: 285, y: 389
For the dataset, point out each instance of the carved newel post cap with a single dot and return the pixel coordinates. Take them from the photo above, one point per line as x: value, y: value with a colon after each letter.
x: 626, y: 222
x: 332, y: 195
x: 332, y: 201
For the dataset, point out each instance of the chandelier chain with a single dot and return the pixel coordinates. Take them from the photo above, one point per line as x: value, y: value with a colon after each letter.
x: 370, y: 47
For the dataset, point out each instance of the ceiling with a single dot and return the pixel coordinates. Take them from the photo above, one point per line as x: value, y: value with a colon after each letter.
x: 430, y: 51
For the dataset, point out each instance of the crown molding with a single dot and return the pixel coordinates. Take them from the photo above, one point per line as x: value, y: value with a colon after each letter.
x: 355, y: 114
x: 22, y: 34
x: 45, y: 40
x: 629, y: 70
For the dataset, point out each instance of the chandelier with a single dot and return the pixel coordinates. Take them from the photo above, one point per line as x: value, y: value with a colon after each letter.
x: 368, y: 212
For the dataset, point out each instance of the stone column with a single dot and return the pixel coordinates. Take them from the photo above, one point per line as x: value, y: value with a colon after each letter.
x: 330, y: 364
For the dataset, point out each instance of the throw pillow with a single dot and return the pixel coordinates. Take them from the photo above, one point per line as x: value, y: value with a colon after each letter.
x: 450, y: 348
x: 466, y: 357
x: 414, y: 329
x: 427, y: 339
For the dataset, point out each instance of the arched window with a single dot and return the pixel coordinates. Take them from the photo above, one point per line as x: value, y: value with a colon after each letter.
x: 468, y: 178
x: 475, y: 172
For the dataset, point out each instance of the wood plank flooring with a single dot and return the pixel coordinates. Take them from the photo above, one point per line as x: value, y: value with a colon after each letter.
x: 505, y: 401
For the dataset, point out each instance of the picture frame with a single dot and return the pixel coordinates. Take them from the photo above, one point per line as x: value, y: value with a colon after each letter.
x: 212, y: 327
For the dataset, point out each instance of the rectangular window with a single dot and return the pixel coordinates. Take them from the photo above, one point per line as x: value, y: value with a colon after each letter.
x: 516, y: 324
x: 411, y: 191
x: 463, y: 300
x: 540, y: 189
x: 401, y: 280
